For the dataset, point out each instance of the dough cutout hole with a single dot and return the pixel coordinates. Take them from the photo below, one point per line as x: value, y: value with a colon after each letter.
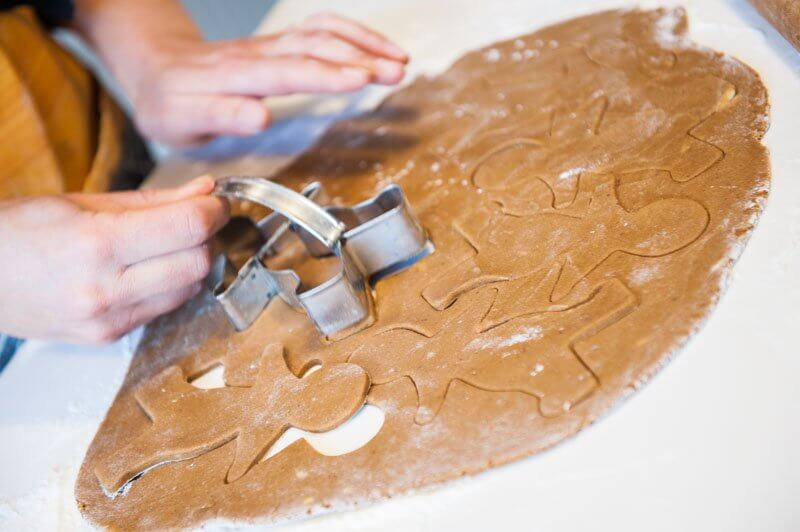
x: 350, y: 436
x: 346, y: 438
x: 210, y: 379
x: 214, y: 377
x: 314, y: 366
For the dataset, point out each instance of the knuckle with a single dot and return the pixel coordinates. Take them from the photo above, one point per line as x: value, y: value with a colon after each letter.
x: 201, y: 263
x: 318, y: 36
x: 199, y: 223
x: 310, y: 64
x: 91, y: 302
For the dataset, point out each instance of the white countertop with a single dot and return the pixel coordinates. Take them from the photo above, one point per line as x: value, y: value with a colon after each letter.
x: 712, y: 443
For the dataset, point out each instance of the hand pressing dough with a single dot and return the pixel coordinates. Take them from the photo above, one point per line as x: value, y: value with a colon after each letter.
x: 587, y: 188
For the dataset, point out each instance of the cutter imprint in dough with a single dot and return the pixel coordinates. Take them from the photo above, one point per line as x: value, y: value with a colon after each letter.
x: 189, y: 421
x: 587, y: 188
x: 533, y: 355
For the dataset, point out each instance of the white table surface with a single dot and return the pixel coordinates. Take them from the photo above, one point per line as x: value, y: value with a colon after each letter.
x: 712, y: 443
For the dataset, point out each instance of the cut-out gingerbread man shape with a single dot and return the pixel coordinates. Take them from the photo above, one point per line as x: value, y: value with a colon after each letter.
x: 579, y: 238
x: 533, y: 355
x: 647, y: 128
x: 188, y: 421
x: 531, y: 294
x: 651, y: 61
x: 535, y: 147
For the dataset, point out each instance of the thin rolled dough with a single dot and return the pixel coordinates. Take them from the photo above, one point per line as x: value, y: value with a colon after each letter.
x: 784, y: 15
x: 587, y: 188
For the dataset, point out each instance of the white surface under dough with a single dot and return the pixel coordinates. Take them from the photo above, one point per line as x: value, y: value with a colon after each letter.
x: 712, y: 444
x: 352, y: 434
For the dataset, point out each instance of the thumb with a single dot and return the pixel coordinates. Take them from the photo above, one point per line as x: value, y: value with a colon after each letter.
x: 142, y: 199
x: 135, y: 199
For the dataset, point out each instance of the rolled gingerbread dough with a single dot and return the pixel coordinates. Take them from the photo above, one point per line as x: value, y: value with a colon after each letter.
x: 587, y: 188
x: 784, y: 15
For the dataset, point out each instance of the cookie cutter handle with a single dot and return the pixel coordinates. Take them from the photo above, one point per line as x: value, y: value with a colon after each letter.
x: 255, y: 285
x: 294, y: 206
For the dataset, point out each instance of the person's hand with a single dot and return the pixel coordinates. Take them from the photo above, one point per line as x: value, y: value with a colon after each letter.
x: 198, y: 90
x: 186, y: 90
x: 87, y: 268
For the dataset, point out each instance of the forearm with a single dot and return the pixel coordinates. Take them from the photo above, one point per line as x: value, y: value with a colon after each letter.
x: 129, y: 34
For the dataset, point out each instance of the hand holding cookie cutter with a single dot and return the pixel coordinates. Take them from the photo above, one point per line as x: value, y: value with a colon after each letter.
x: 376, y: 237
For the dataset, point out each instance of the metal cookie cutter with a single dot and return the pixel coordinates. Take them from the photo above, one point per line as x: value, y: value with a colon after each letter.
x: 381, y: 232
x: 375, y: 238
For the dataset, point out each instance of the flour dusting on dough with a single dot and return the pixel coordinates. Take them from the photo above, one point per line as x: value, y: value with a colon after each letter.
x: 527, y: 334
x: 586, y: 206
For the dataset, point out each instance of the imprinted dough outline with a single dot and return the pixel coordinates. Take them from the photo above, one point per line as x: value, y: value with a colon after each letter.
x: 116, y: 475
x: 616, y: 314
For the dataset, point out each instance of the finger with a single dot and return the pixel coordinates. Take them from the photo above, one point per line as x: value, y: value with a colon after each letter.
x: 118, y: 322
x: 162, y: 274
x: 135, y: 199
x: 255, y: 75
x: 141, y: 234
x: 191, y: 118
x: 329, y: 47
x: 358, y: 34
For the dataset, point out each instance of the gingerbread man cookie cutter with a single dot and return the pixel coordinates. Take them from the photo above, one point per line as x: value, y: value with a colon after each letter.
x: 375, y: 238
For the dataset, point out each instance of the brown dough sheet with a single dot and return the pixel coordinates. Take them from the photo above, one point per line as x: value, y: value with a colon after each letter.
x: 784, y: 15
x: 587, y: 188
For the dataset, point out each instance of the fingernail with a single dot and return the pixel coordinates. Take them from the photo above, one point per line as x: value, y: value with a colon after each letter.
x: 398, y: 52
x: 254, y: 122
x: 202, y: 184
x: 389, y: 70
